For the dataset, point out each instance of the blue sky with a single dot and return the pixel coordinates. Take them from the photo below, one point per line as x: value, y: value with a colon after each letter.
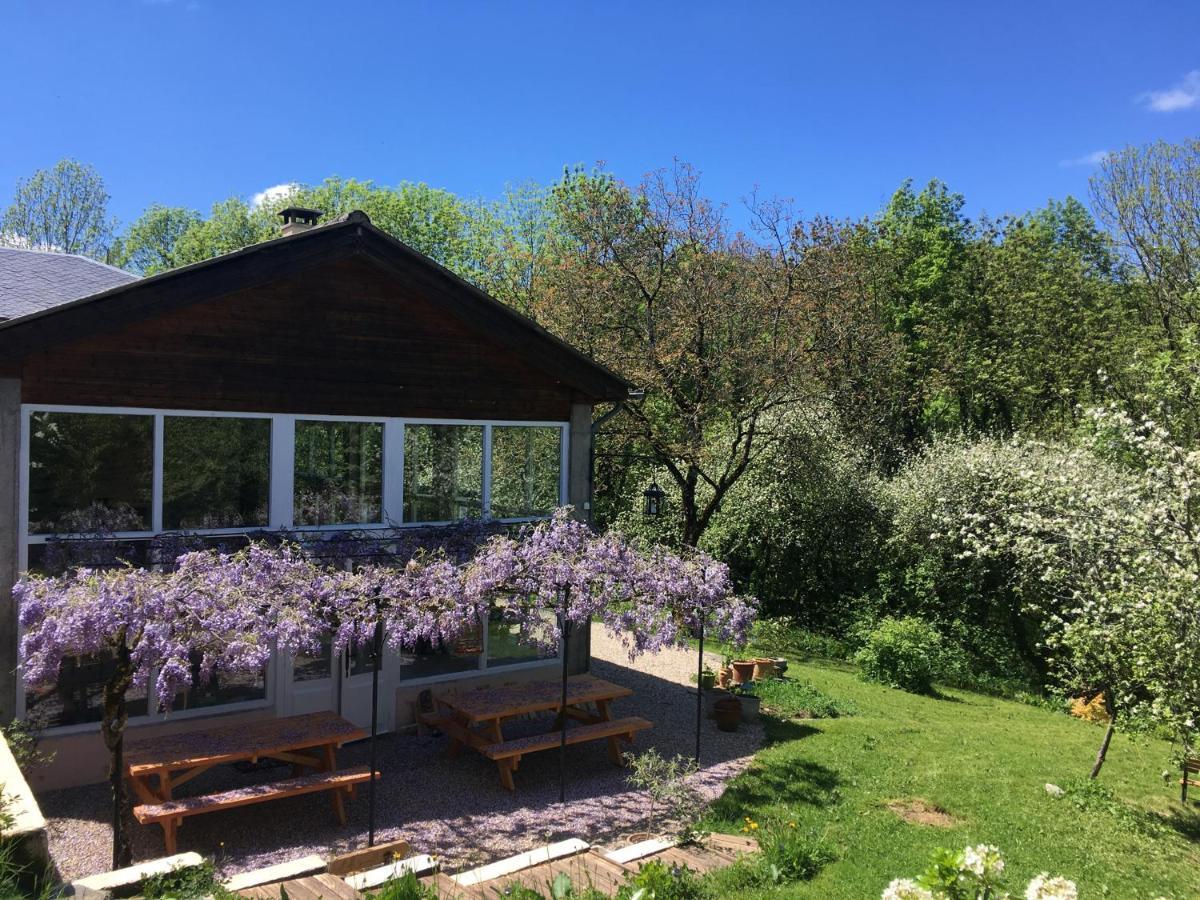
x: 832, y: 104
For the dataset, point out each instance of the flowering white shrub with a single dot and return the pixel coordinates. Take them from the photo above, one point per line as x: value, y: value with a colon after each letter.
x: 1045, y: 887
x: 973, y: 873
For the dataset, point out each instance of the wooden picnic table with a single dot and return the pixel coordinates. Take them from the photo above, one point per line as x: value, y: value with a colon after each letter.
x: 156, y: 766
x: 475, y: 718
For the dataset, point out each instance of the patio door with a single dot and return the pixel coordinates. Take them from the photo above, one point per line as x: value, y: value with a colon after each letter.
x: 342, y: 684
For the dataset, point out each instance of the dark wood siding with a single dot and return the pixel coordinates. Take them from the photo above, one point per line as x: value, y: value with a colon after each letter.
x: 343, y: 339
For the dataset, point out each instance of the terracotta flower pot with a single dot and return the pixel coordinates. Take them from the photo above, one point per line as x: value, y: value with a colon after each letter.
x: 724, y: 677
x: 728, y: 712
x: 743, y: 671
x: 764, y: 668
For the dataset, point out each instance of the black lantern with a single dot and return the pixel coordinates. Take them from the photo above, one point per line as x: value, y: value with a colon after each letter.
x: 653, y: 500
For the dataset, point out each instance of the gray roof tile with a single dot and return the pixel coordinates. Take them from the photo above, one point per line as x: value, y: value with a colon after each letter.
x: 34, y: 280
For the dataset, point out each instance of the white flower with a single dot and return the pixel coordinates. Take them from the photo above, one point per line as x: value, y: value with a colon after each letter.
x: 905, y: 889
x: 983, y: 861
x: 1045, y: 887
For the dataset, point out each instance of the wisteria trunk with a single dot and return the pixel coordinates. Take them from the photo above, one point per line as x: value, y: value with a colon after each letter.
x: 1108, y: 734
x: 112, y: 727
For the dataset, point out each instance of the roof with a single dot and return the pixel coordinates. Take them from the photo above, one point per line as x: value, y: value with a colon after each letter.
x: 36, y: 280
x: 127, y: 299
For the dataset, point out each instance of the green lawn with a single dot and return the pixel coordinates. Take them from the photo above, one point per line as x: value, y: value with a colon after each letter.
x: 984, y: 761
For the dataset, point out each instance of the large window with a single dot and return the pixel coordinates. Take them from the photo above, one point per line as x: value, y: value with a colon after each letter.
x: 90, y: 472
x: 78, y: 696
x: 216, y: 472
x: 219, y: 688
x: 443, y: 472
x: 338, y: 473
x: 135, y: 473
x: 430, y: 659
x: 526, y: 470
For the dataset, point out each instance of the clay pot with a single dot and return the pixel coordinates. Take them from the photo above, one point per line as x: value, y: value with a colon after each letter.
x: 764, y: 668
x: 724, y: 677
x: 743, y: 671
x: 781, y: 665
x: 728, y: 713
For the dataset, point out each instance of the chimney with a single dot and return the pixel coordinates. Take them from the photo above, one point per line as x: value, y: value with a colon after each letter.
x: 297, y: 219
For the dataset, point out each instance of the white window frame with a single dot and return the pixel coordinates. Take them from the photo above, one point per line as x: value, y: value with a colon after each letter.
x: 280, y: 517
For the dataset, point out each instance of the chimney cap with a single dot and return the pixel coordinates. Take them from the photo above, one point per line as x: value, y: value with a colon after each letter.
x: 300, y: 215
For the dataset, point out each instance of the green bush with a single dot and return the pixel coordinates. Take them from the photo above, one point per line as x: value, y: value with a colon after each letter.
x: 657, y: 881
x: 905, y: 653
x: 790, y: 853
x: 791, y: 698
x: 406, y: 887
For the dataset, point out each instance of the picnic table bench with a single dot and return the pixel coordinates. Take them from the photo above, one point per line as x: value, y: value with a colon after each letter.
x: 157, y: 766
x: 475, y: 718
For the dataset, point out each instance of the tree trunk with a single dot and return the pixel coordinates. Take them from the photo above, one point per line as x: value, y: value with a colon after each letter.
x: 1108, y: 733
x: 112, y: 727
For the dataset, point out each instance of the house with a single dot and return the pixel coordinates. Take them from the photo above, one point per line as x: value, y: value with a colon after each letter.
x: 330, y: 379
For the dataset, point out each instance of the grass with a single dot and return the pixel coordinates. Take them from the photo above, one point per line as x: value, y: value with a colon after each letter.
x: 982, y: 760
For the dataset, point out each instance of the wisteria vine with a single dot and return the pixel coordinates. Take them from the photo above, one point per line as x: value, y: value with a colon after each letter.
x: 232, y: 610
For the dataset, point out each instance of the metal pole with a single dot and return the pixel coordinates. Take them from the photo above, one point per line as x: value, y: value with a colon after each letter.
x: 562, y: 746
x: 699, y: 692
x: 375, y: 663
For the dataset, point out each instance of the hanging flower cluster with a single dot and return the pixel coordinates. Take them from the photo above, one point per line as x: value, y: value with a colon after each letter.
x: 230, y: 611
x: 560, y: 571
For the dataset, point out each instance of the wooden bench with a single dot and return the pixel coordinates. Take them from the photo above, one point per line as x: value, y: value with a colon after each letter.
x: 1191, y: 767
x: 613, y: 729
x: 171, y: 813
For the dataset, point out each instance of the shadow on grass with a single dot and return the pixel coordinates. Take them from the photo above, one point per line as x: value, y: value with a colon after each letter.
x: 779, y: 730
x: 797, y: 782
x: 1185, y: 822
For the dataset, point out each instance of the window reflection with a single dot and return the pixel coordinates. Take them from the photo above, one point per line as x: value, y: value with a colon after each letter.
x: 90, y: 472
x: 526, y: 469
x: 338, y: 473
x: 216, y: 472
x: 443, y: 472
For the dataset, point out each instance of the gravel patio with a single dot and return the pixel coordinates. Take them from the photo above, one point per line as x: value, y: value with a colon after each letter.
x: 453, y: 808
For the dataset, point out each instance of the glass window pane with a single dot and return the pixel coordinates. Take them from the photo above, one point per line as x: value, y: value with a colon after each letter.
x: 339, y: 473
x: 442, y: 659
x: 78, y: 696
x: 90, y: 472
x: 504, y: 645
x: 443, y: 472
x: 314, y: 667
x: 221, y: 688
x: 216, y: 472
x: 526, y: 468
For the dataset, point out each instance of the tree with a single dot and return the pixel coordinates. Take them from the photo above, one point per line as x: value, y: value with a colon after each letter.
x: 1107, y: 539
x: 150, y: 244
x: 650, y: 281
x: 63, y: 209
x: 1150, y: 199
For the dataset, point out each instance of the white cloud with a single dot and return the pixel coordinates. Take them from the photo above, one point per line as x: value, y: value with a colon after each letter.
x: 273, y: 193
x: 1088, y: 159
x: 1183, y: 95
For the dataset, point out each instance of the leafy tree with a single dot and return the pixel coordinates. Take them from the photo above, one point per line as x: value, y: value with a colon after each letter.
x: 151, y: 243
x: 64, y: 209
x: 650, y: 281
x: 1150, y: 198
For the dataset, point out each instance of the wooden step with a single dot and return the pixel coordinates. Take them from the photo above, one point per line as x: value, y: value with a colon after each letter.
x: 313, y: 887
x: 255, y: 793
x: 520, y: 746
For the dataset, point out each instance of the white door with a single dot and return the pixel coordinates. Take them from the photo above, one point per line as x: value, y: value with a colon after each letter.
x: 342, y: 684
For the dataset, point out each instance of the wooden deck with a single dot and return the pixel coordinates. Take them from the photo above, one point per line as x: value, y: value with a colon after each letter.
x: 585, y: 866
x: 592, y: 868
